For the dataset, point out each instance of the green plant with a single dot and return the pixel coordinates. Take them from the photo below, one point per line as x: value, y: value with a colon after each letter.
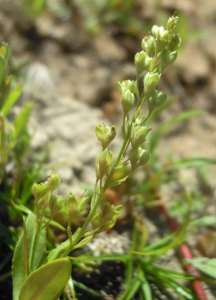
x: 18, y: 170
x: 30, y: 274
x: 35, y: 7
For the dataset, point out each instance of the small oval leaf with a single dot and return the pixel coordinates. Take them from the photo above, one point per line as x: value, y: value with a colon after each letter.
x: 47, y: 282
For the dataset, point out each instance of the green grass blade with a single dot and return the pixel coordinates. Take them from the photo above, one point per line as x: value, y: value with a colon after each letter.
x: 22, y: 119
x: 19, y: 273
x: 2, y: 70
x: 131, y: 289
x: 205, y: 265
x: 191, y: 162
x: 11, y: 100
x: 206, y: 221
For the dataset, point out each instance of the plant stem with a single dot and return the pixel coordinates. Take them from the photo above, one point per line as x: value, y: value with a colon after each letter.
x: 184, y: 250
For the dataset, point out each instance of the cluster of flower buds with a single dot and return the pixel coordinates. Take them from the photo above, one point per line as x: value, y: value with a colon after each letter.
x: 138, y: 135
x: 159, y: 50
x: 44, y: 198
x: 138, y: 157
x: 105, y: 217
x: 76, y: 206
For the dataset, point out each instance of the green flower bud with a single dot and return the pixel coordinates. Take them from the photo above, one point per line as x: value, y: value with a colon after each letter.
x: 76, y: 206
x: 148, y: 63
x: 72, y: 204
x: 173, y: 56
x: 55, y: 204
x: 39, y: 190
x: 156, y: 30
x: 167, y: 58
x: 162, y: 41
x: 133, y: 157
x: 103, y: 163
x: 138, y: 135
x: 138, y: 157
x: 53, y: 181
x: 140, y: 63
x: 171, y: 23
x: 82, y: 204
x: 144, y: 157
x: 105, y: 134
x: 130, y: 85
x: 156, y: 99
x: 106, y: 216
x: 174, y: 43
x: 149, y: 45
x: 127, y: 101
x: 150, y: 82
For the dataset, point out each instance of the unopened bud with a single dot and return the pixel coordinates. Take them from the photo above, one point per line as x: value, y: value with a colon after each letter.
x: 138, y: 157
x: 157, y: 30
x: 149, y: 45
x: 171, y: 23
x: 138, y: 136
x: 145, y: 155
x: 162, y: 41
x: 130, y: 85
x: 72, y: 205
x: 150, y: 82
x: 140, y: 62
x: 53, y: 181
x: 55, y: 204
x: 156, y: 99
x: 167, y: 58
x: 127, y: 101
x: 105, y: 134
x: 175, y: 42
x: 103, y: 163
x: 39, y: 190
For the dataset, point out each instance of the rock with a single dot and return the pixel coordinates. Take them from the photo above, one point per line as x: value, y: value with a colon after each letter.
x: 66, y: 173
x: 69, y: 127
x: 84, y: 73
x: 67, y: 34
x: 209, y: 43
x: 107, y: 48
x: 39, y: 139
x: 179, y: 5
x: 193, y: 64
x: 39, y: 85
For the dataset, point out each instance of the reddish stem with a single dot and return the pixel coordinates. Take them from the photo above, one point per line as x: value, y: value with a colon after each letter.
x: 184, y: 251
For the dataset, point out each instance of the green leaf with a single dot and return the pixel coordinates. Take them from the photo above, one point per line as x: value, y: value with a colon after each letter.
x: 47, y: 282
x: 4, y: 51
x: 5, y: 90
x: 84, y: 242
x: 2, y: 70
x: 206, y: 220
x: 37, y: 244
x: 18, y: 265
x: 11, y: 100
x: 29, y: 253
x: 205, y: 265
x: 60, y: 249
x: 22, y: 119
x: 38, y: 6
x: 191, y: 162
x: 118, y: 182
